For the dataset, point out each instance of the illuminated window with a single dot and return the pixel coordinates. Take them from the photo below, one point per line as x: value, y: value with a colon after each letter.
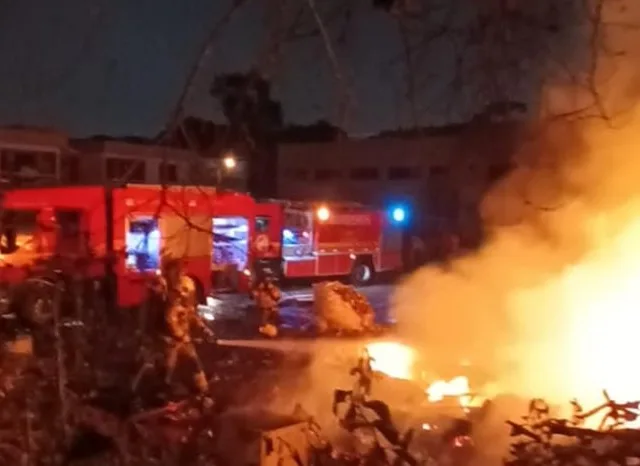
x: 230, y: 242
x: 143, y: 244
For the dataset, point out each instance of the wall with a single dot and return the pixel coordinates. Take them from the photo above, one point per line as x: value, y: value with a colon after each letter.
x: 443, y: 176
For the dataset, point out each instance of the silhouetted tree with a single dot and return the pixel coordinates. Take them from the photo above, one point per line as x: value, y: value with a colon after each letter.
x: 254, y: 117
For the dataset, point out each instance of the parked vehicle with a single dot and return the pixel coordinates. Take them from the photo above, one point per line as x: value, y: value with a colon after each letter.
x: 111, y: 240
x: 309, y: 240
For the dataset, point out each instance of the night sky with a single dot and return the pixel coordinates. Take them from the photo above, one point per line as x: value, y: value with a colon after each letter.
x: 117, y: 66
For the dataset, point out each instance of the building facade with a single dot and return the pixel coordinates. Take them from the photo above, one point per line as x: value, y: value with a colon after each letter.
x: 442, y: 177
x: 32, y: 153
x: 31, y: 156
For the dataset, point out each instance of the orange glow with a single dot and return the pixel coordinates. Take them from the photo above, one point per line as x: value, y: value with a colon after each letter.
x: 398, y: 361
x: 456, y: 387
x: 393, y: 359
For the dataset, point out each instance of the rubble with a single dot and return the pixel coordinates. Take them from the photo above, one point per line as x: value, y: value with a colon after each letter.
x: 541, y: 438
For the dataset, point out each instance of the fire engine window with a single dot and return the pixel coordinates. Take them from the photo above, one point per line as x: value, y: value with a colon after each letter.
x: 230, y: 242
x: 18, y: 229
x: 296, y: 234
x: 143, y: 244
x: 262, y: 224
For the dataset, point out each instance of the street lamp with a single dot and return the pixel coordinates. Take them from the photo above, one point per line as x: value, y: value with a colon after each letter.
x: 229, y: 162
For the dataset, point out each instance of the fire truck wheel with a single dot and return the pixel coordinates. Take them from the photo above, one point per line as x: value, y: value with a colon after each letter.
x: 362, y: 272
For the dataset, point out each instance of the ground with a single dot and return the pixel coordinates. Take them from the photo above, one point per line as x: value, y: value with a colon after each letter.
x: 103, y: 358
x: 234, y: 317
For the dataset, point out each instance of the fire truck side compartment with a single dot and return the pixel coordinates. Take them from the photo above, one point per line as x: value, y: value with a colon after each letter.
x: 181, y: 217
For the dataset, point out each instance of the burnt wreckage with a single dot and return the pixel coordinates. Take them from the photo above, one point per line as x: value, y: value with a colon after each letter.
x: 541, y: 438
x: 449, y: 443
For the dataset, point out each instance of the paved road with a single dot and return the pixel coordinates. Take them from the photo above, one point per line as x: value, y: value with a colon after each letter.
x: 235, y: 315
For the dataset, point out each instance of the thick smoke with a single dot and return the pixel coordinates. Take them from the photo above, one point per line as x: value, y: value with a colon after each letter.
x: 548, y: 307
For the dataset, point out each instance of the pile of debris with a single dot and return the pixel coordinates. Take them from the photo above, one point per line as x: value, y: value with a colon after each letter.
x: 540, y: 438
x: 340, y: 308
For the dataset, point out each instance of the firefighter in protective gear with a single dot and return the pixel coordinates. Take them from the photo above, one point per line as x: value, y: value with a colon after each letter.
x: 180, y: 307
x: 266, y: 296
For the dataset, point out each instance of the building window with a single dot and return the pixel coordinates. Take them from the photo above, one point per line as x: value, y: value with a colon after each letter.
x: 325, y: 174
x: 43, y: 163
x: 364, y: 173
x: 438, y: 170
x: 299, y: 174
x: 126, y: 170
x: 168, y: 173
x: 69, y: 168
x: 24, y: 161
x: 403, y: 173
x: 46, y: 163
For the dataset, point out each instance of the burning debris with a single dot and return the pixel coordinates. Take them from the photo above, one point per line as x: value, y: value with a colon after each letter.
x: 541, y: 438
x: 435, y: 434
x: 339, y: 308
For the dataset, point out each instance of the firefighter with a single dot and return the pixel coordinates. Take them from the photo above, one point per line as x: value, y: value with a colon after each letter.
x: 267, y: 295
x: 180, y: 314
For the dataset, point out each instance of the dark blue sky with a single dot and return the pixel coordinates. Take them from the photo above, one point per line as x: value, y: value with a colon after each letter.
x: 117, y: 66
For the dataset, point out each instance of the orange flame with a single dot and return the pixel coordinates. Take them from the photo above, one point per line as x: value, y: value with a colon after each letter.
x: 456, y: 387
x: 397, y: 360
x: 393, y: 359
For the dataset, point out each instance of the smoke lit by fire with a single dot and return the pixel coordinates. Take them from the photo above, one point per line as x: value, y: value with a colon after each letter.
x: 550, y: 305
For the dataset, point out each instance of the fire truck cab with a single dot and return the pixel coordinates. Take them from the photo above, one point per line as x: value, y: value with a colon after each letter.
x: 112, y: 239
x: 303, y: 240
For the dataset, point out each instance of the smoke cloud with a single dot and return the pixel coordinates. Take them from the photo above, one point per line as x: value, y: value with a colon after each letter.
x: 548, y: 307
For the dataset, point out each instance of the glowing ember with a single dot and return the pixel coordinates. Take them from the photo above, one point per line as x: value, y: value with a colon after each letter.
x: 456, y: 387
x: 393, y: 359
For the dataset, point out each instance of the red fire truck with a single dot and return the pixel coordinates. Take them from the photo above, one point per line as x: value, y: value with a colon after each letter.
x: 114, y: 237
x: 306, y: 240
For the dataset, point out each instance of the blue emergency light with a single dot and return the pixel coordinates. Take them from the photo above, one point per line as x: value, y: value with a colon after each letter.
x: 399, y: 214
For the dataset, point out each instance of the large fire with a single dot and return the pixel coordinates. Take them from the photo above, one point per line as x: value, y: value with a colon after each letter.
x: 398, y: 361
x: 393, y: 359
